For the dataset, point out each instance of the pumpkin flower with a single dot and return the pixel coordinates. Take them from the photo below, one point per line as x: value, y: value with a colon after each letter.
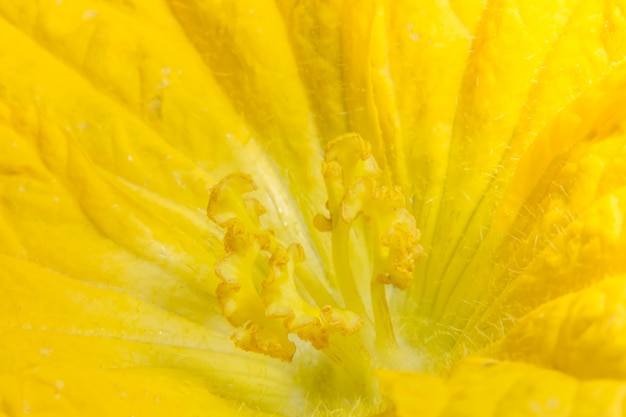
x: 283, y: 208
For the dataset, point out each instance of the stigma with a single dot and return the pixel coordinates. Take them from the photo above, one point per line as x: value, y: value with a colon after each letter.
x: 375, y: 245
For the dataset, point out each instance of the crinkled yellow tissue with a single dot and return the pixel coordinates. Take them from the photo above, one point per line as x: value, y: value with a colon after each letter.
x: 313, y: 208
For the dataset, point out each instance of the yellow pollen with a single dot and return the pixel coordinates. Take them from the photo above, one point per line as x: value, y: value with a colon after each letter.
x: 375, y: 243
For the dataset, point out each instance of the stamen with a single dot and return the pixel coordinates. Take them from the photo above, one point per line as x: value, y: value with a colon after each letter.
x: 257, y: 291
x: 391, y: 239
x: 282, y: 300
x: 375, y: 243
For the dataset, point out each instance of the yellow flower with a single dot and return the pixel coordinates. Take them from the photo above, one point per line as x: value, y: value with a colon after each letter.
x: 414, y: 207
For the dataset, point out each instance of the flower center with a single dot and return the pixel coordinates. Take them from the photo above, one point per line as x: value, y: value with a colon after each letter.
x: 265, y: 292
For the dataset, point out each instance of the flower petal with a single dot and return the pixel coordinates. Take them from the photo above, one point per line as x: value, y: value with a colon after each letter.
x: 76, y: 165
x: 478, y: 387
x: 106, y: 187
x: 67, y: 390
x: 566, y: 229
x: 138, y: 59
x: 581, y: 334
x: 58, y: 328
x: 528, y: 64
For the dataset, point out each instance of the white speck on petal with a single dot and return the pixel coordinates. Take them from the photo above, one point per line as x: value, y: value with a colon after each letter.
x: 164, y: 83
x: 535, y: 407
x: 155, y: 105
x: 129, y: 157
x: 412, y: 35
x: 179, y: 179
x: 553, y: 402
x: 90, y: 14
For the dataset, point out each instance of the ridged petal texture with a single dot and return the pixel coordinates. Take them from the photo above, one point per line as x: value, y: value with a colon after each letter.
x: 501, y: 122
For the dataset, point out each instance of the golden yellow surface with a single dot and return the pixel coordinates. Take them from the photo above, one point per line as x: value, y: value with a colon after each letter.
x: 500, y: 122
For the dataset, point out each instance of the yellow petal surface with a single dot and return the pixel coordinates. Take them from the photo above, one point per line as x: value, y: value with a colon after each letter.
x: 567, y: 229
x: 65, y: 390
x: 480, y: 387
x: 56, y: 328
x: 476, y: 243
x: 499, y: 121
x: 581, y: 334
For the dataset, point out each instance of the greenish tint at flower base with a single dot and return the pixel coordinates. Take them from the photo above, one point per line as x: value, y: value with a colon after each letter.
x: 414, y: 208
